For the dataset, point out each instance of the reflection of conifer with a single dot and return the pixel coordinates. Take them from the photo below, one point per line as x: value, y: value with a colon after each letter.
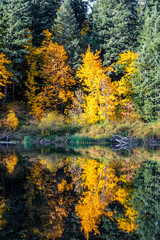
x: 146, y: 200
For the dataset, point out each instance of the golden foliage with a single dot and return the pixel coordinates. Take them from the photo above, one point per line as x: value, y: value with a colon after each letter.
x: 56, y: 198
x: 10, y: 161
x: 123, y: 88
x: 85, y: 28
x: 10, y: 122
x: 98, y: 101
x: 34, y: 60
x: 4, y: 74
x: 3, y: 208
x: 51, y: 121
x: 49, y: 64
x: 59, y: 81
x: 101, y: 186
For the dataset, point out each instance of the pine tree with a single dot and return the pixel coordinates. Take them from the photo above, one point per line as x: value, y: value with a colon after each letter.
x: 147, y: 80
x: 80, y: 10
x: 114, y: 27
x: 146, y: 199
x: 68, y: 34
x: 42, y: 16
x: 14, y: 36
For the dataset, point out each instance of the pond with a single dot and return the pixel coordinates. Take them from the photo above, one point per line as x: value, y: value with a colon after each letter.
x: 89, y: 192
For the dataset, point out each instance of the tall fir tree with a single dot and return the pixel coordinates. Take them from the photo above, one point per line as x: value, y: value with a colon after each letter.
x: 43, y: 13
x: 80, y: 10
x: 146, y: 198
x: 14, y: 20
x: 147, y: 79
x: 114, y: 27
x: 67, y: 33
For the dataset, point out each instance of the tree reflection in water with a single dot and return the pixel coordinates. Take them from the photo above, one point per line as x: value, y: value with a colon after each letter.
x: 79, y: 197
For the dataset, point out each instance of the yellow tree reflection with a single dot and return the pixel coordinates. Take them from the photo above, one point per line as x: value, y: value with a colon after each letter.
x: 10, y: 161
x: 56, y: 204
x: 102, y: 186
x: 3, y: 208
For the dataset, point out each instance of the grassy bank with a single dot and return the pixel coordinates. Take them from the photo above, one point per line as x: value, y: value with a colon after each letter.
x: 54, y: 127
x: 135, y: 130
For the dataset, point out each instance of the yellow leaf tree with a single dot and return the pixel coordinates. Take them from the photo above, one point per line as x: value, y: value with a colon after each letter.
x: 4, y: 74
x: 98, y: 100
x: 123, y: 88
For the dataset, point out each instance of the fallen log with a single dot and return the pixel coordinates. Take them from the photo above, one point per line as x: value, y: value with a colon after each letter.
x: 120, y: 139
x: 7, y: 142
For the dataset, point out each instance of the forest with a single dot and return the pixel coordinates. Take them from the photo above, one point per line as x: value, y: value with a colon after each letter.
x: 79, y: 62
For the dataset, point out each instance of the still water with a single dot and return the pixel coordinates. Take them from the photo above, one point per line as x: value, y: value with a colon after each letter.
x: 85, y: 193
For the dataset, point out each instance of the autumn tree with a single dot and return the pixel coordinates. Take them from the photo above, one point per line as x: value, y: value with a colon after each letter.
x: 4, y: 74
x: 34, y: 78
x: 123, y: 88
x: 56, y: 71
x: 97, y: 86
x: 55, y: 91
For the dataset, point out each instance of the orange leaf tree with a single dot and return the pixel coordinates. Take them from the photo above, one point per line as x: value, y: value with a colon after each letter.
x: 4, y: 74
x: 50, y: 81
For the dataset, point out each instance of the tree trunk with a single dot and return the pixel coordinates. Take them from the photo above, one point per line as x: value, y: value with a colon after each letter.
x: 5, y: 95
x: 13, y: 91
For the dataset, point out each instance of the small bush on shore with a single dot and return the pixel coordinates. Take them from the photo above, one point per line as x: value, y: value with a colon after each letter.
x: 10, y: 122
x: 52, y: 121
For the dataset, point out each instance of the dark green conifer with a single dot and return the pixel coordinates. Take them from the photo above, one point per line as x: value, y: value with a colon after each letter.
x: 14, y: 20
x: 43, y: 13
x: 114, y: 27
x: 147, y: 81
x: 67, y: 33
x: 80, y: 10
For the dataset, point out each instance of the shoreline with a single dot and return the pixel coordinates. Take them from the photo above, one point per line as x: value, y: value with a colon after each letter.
x: 70, y: 140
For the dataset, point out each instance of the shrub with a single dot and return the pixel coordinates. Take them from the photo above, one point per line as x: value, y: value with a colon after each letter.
x: 10, y: 122
x: 52, y: 121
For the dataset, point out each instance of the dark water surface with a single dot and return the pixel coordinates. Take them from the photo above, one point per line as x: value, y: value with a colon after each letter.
x: 85, y: 193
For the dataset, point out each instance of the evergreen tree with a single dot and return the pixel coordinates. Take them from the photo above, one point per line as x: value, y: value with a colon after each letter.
x: 68, y: 34
x: 114, y: 27
x: 147, y: 80
x: 42, y: 17
x: 151, y: 3
x: 146, y: 199
x: 80, y: 10
x: 14, y: 36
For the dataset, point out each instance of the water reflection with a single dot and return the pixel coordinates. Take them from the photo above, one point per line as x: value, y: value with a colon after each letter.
x: 94, y: 193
